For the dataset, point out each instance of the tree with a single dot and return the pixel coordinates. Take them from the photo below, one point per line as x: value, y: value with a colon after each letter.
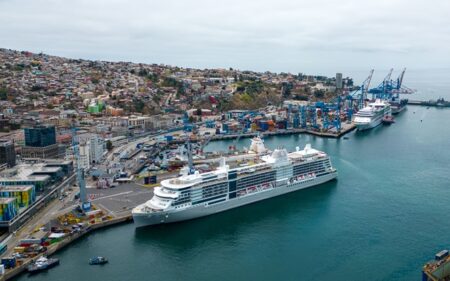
x: 139, y: 105
x: 109, y: 145
x: 3, y: 94
x: 143, y: 72
x: 319, y: 94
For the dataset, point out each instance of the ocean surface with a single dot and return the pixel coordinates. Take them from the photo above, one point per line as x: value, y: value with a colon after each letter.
x: 386, y: 215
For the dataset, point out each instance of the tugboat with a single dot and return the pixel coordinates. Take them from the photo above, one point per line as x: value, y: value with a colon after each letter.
x: 388, y: 119
x: 41, y: 264
x: 98, y: 260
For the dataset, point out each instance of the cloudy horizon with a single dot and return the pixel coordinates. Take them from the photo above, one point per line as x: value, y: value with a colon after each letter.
x: 292, y: 36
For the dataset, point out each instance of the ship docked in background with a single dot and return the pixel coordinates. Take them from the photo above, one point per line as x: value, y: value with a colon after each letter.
x: 195, y: 195
x: 372, y: 115
x: 398, y: 105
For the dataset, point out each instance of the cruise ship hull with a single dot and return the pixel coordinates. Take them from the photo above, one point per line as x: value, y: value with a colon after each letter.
x: 367, y: 126
x: 141, y: 219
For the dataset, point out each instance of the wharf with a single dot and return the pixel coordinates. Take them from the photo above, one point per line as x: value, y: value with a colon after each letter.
x: 327, y: 134
x: 116, y: 203
x: 52, y: 249
x: 438, y: 103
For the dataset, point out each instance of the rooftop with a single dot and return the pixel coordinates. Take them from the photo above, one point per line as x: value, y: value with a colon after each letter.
x: 16, y: 187
x: 6, y: 200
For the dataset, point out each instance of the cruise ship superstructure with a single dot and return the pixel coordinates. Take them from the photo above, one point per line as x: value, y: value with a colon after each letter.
x: 371, y: 116
x: 200, y: 194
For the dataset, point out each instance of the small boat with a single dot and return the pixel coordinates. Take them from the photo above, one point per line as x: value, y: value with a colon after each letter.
x: 41, y: 264
x: 388, y: 120
x: 98, y: 260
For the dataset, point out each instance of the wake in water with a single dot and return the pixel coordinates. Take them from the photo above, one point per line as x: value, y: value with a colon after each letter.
x: 354, y: 167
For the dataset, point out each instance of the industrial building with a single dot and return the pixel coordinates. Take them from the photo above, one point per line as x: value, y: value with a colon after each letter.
x: 40, y: 175
x: 8, y: 209
x: 25, y: 194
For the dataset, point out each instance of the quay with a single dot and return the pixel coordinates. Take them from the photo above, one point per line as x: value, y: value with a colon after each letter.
x: 346, y: 128
x: 437, y: 103
x: 113, y: 207
x: 53, y: 248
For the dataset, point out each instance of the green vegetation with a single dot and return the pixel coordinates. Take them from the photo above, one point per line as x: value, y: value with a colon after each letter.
x: 143, y: 72
x: 109, y: 145
x: 153, y: 77
x: 319, y: 94
x: 139, y: 105
x: 3, y: 94
x: 171, y: 82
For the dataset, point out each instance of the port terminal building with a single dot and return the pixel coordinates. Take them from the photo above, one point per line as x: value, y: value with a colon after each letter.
x: 28, y: 186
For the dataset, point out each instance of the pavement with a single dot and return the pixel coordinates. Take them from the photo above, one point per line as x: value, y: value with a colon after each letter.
x: 120, y: 200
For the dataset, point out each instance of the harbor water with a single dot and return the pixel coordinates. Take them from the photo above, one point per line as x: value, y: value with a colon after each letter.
x: 385, y: 216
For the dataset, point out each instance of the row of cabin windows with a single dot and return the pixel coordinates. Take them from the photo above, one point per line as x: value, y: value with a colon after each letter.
x: 214, y: 192
x: 300, y: 170
x: 257, y: 176
x: 245, y: 187
x: 313, y: 164
x: 208, y: 188
x: 310, y: 165
x: 255, y: 181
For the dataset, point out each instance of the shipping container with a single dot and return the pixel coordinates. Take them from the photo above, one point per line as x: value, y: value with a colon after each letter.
x: 263, y: 125
x: 442, y: 254
x: 30, y: 241
x: 19, y: 249
x: 9, y: 262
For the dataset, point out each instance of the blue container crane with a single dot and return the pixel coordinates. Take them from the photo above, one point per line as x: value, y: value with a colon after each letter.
x: 303, y: 109
x: 391, y: 89
x: 361, y: 94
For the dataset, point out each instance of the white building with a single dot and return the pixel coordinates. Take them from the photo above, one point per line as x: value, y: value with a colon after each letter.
x: 143, y: 122
x: 94, y: 147
x: 84, y: 156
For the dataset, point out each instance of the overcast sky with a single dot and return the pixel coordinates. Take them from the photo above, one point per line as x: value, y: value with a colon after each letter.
x: 312, y: 36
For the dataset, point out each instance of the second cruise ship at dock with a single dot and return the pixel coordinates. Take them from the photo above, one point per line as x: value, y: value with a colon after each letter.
x: 200, y: 194
x: 371, y: 116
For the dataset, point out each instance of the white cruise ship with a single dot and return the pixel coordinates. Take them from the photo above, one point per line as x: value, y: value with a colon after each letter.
x: 371, y: 116
x: 200, y: 194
